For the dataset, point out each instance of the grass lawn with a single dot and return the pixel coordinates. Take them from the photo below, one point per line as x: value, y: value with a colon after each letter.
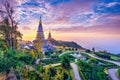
x: 115, y: 58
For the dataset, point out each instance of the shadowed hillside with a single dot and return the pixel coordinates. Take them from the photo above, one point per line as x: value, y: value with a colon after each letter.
x: 65, y: 43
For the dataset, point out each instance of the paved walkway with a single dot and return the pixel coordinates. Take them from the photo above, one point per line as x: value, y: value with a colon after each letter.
x: 65, y: 53
x: 114, y: 62
x: 53, y: 65
x: 112, y: 73
x: 75, y: 71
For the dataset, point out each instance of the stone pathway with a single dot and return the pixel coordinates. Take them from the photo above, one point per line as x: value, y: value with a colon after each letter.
x: 112, y: 73
x: 75, y: 71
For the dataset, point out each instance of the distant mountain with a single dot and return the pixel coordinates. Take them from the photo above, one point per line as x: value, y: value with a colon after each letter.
x: 65, y: 43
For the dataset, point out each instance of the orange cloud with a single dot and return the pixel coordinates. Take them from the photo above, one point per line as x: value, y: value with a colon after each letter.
x: 26, y: 28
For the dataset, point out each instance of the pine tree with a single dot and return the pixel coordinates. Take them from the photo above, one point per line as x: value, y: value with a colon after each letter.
x: 39, y: 43
x: 93, y: 50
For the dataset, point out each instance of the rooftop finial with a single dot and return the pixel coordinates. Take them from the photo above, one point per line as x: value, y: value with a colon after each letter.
x: 40, y: 17
x: 40, y: 20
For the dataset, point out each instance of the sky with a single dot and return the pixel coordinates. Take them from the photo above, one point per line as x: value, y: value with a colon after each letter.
x: 90, y: 23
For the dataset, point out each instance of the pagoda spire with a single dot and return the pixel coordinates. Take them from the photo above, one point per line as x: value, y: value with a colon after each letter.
x: 40, y: 29
x: 49, y: 37
x: 49, y: 34
x: 40, y: 22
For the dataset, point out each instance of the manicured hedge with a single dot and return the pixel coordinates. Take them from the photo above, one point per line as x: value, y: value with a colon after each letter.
x: 91, y: 72
x: 106, y: 56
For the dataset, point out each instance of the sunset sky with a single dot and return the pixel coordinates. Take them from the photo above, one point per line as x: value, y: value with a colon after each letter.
x: 91, y: 23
